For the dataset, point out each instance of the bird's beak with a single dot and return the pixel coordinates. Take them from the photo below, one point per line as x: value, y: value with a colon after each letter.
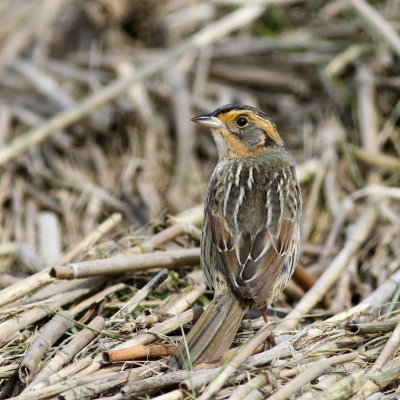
x: 208, y: 120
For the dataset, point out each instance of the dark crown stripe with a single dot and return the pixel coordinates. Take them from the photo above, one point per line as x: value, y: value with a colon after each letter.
x: 230, y: 107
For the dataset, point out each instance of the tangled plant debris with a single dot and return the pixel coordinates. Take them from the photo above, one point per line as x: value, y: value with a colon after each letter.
x: 103, y: 177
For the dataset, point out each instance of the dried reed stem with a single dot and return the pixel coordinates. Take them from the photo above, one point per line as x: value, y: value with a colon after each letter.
x: 141, y: 294
x: 66, y: 354
x: 108, y: 225
x: 50, y: 333
x: 379, y: 23
x: 133, y: 353
x: 162, y: 328
x: 359, y: 381
x: 24, y: 287
x: 313, y: 371
x: 390, y: 348
x: 168, y: 379
x: 121, y: 264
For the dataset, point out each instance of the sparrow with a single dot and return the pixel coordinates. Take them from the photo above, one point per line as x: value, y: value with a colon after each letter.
x: 251, y: 228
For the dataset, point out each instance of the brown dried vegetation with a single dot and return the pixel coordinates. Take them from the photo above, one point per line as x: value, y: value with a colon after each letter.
x: 103, y: 175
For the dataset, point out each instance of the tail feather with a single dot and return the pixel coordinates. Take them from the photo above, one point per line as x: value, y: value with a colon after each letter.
x: 212, y: 334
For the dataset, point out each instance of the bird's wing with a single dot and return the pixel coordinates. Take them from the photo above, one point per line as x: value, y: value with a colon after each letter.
x: 253, y: 255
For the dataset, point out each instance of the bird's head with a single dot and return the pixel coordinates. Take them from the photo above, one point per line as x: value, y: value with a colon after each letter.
x: 240, y: 131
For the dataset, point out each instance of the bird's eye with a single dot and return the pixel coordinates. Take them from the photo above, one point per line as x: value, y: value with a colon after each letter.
x: 242, y: 122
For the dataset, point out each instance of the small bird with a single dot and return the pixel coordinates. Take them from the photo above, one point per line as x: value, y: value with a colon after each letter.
x: 251, y: 228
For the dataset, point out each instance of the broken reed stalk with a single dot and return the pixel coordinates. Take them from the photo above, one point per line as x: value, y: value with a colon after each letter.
x: 12, y: 326
x: 311, y: 333
x: 162, y: 237
x: 121, y: 264
x: 108, y: 225
x: 263, y: 379
x: 49, y: 334
x: 96, y: 298
x: 166, y: 380
x: 380, y: 296
x: 88, y: 386
x: 356, y: 235
x: 198, y: 379
x: 359, y: 381
x: 133, y: 353
x: 312, y: 371
x: 24, y: 287
x: 142, y: 293
x: 370, y: 328
x: 181, y: 300
x: 55, y: 288
x: 162, y: 328
x: 96, y: 383
x: 389, y: 349
x: 64, y: 373
x: 69, y: 351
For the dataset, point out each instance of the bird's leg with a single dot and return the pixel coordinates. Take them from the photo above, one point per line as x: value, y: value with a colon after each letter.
x: 270, y: 340
x: 264, y: 314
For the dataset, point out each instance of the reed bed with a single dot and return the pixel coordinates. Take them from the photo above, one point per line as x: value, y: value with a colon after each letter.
x: 103, y: 177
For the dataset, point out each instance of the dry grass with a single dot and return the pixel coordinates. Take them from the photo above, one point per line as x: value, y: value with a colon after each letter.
x: 99, y: 161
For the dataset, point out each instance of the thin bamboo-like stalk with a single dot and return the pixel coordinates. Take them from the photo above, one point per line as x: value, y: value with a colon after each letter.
x: 312, y: 372
x: 121, y: 264
x: 43, y: 82
x: 390, y: 348
x: 64, y: 373
x: 359, y: 381
x: 285, y: 346
x: 146, y: 337
x: 141, y: 294
x: 80, y: 340
x: 50, y: 333
x: 160, y: 238
x: 49, y: 236
x: 24, y: 287
x: 133, y: 353
x: 41, y: 392
x: 13, y: 325
x: 379, y: 23
x: 182, y: 300
x: 93, y: 384
x: 371, y: 327
x: 263, y: 379
x: 380, y: 160
x: 97, y: 297
x: 105, y: 227
x: 166, y: 380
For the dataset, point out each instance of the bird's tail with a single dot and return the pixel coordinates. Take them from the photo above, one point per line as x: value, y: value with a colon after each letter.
x: 212, y: 334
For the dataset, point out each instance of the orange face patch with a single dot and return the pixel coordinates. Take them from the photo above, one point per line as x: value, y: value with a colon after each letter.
x: 229, y: 118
